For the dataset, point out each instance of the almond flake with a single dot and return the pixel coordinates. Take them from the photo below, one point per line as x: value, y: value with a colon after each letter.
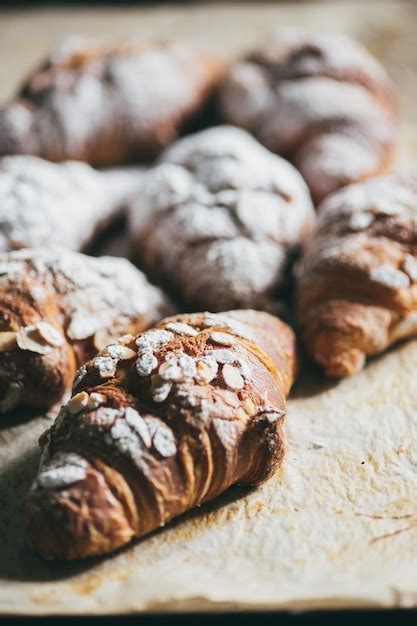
x: 221, y: 320
x: 78, y: 403
x: 161, y: 393
x: 249, y: 407
x: 29, y: 338
x: 232, y: 377
x: 410, y: 267
x: 390, y: 277
x: 146, y: 363
x: 95, y: 400
x: 152, y: 340
x: 105, y: 365
x: 79, y: 375
x: 361, y: 220
x: 163, y: 441
x: 123, y: 353
x: 7, y: 341
x: 222, y: 339
x: 243, y: 368
x: 138, y: 424
x: 179, y: 328
x: 222, y: 356
x: 177, y: 367
x: 207, y: 369
x: 63, y: 470
x: 50, y: 334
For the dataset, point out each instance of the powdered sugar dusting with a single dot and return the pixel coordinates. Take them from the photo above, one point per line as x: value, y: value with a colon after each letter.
x: 65, y: 469
x: 228, y: 232
x: 101, y: 103
x: 43, y: 204
x: 321, y: 99
x: 94, y: 294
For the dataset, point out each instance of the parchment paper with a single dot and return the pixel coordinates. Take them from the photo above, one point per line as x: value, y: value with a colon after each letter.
x: 338, y: 526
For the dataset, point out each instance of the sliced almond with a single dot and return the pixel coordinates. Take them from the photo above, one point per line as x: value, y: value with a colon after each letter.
x: 146, y: 363
x: 206, y: 370
x: 232, y: 377
x: 95, y: 400
x: 29, y: 338
x: 78, y: 403
x: 249, y: 407
x: 161, y: 393
x: 222, y: 339
x: 50, y: 334
x: 410, y: 267
x: 160, y: 389
x: 117, y: 351
x: 105, y: 365
x: 179, y: 328
x: 7, y: 341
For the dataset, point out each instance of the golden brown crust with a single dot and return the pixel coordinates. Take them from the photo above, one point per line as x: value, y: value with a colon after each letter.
x: 57, y: 309
x: 107, y: 104
x: 195, y: 405
x: 320, y: 100
x: 356, y: 282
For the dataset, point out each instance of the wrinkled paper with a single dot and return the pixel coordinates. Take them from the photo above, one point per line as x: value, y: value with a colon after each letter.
x: 338, y: 526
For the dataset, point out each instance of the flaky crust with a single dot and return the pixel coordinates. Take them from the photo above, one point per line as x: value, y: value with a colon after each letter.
x: 193, y: 406
x: 320, y: 100
x: 107, y: 104
x: 220, y: 219
x: 357, y: 280
x: 65, y: 204
x: 57, y: 309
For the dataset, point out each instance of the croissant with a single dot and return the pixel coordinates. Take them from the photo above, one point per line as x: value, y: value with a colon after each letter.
x: 57, y: 309
x: 107, y: 104
x: 220, y: 219
x: 66, y: 204
x: 322, y: 101
x: 357, y: 280
x: 193, y: 406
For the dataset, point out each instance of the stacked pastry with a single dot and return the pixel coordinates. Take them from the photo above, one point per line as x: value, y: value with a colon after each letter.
x: 166, y: 414
x: 320, y: 100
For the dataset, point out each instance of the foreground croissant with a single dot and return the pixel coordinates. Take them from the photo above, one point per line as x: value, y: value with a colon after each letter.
x: 107, y: 104
x: 320, y: 100
x: 191, y: 407
x: 65, y: 204
x: 220, y: 219
x: 357, y: 281
x: 57, y: 309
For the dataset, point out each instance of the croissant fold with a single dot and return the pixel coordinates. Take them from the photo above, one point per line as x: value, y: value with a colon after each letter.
x: 220, y: 220
x: 321, y: 101
x: 357, y: 279
x: 192, y: 406
x: 107, y: 104
x: 57, y: 309
x: 64, y: 204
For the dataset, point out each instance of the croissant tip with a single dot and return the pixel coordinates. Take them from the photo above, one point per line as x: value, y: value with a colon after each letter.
x: 76, y: 520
